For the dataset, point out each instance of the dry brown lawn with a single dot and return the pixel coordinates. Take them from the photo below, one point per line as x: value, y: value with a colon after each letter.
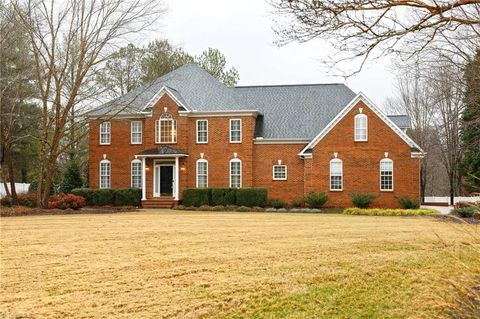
x: 235, y: 265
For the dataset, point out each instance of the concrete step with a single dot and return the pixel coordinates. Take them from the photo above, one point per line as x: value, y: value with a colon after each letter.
x: 167, y: 202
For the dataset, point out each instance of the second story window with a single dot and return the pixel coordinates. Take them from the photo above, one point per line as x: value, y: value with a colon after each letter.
x: 105, y: 132
x: 166, y: 129
x: 136, y: 132
x: 202, y: 131
x: 361, y: 128
x: 235, y: 131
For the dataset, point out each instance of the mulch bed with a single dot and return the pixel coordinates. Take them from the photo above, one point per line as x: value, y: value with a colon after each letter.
x: 26, y: 211
x: 455, y: 219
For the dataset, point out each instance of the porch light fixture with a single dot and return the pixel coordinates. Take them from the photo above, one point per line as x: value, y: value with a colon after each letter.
x: 183, y: 167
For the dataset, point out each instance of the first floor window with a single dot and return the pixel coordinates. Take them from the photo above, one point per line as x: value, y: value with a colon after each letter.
x: 104, y: 174
x: 336, y: 175
x: 136, y: 174
x: 136, y: 132
x: 105, y: 130
x: 235, y: 173
x: 235, y: 131
x: 202, y: 173
x: 280, y: 172
x: 386, y: 174
x: 202, y: 131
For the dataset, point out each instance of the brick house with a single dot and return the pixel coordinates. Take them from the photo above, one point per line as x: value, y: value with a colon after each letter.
x: 189, y: 130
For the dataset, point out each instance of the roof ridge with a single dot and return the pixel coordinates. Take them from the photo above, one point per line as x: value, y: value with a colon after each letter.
x: 283, y: 85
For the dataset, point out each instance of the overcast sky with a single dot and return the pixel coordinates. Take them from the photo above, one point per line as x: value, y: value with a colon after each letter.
x: 242, y: 30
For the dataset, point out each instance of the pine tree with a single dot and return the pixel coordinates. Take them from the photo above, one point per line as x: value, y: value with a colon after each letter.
x: 470, y: 166
x: 72, y: 178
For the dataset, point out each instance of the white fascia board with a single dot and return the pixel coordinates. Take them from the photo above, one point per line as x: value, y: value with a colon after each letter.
x: 158, y: 96
x: 360, y: 97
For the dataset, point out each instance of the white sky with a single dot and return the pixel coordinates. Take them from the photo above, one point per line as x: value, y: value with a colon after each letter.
x: 242, y: 30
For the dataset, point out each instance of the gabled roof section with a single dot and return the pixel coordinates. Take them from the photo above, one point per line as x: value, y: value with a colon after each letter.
x: 341, y: 115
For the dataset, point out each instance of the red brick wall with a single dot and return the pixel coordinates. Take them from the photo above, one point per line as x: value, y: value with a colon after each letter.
x: 360, y: 159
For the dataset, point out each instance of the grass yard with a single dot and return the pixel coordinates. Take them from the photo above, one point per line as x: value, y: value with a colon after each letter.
x: 229, y: 265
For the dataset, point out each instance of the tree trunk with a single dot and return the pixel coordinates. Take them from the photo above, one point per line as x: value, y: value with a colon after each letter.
x: 11, y: 174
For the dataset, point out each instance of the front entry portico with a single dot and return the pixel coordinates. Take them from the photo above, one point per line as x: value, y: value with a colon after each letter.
x: 164, y: 169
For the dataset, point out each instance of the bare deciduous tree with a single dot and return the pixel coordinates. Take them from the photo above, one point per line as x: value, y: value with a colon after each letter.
x: 69, y: 40
x: 372, y: 28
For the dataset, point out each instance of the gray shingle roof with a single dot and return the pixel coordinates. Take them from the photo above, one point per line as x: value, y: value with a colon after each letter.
x: 287, y: 111
x: 162, y: 150
x: 402, y: 121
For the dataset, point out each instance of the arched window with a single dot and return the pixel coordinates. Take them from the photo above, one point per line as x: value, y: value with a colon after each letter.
x: 104, y: 173
x: 361, y: 128
x: 336, y: 175
x: 136, y: 173
x: 166, y: 129
x: 202, y: 173
x: 235, y: 173
x: 386, y: 174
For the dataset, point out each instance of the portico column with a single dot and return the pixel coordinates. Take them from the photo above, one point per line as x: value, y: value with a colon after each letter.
x: 177, y: 179
x: 144, y: 180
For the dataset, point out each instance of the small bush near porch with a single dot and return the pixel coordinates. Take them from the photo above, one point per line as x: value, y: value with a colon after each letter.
x: 236, y: 265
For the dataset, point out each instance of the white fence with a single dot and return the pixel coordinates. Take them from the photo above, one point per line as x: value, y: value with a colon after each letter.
x: 446, y: 199
x: 19, y: 187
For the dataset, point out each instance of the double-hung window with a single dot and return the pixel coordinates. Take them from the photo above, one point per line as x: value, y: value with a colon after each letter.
x: 104, y: 174
x: 235, y: 173
x: 136, y: 173
x: 280, y: 172
x: 386, y: 175
x: 202, y: 173
x: 136, y: 132
x: 166, y: 129
x: 105, y: 133
x: 202, y: 131
x: 336, y: 175
x: 361, y: 128
x: 235, y: 130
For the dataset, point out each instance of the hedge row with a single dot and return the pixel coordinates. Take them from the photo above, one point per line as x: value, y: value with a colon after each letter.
x: 388, y: 212
x: 249, y: 197
x: 110, y: 197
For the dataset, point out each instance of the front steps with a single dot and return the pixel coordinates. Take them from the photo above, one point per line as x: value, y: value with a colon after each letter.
x: 161, y: 202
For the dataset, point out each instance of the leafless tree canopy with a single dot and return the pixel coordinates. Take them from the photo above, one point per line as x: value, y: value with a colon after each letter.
x: 372, y: 28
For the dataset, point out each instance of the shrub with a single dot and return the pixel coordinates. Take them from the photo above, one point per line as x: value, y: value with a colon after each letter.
x: 28, y: 200
x: 389, y: 212
x: 65, y: 201
x: 231, y: 207
x: 407, y: 202
x: 258, y: 209
x: 316, y: 200
x: 127, y: 197
x: 363, y: 200
x: 467, y: 212
x: 297, y: 203
x: 224, y: 196
x: 179, y: 207
x: 277, y: 203
x: 466, y: 204
x: 71, y: 179
x: 196, y: 197
x: 244, y: 209
x: 6, y: 201
x: 251, y: 197
x: 205, y: 208
x: 218, y: 208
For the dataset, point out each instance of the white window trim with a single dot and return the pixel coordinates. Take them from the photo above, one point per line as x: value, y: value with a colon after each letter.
x: 109, y: 174
x: 174, y: 137
x: 330, y: 175
x: 131, y: 132
x: 230, y: 171
x: 131, y: 173
x: 230, y: 131
x: 355, y: 128
x: 201, y: 160
x: 109, y: 133
x: 201, y: 142
x: 380, y: 176
x: 279, y: 179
